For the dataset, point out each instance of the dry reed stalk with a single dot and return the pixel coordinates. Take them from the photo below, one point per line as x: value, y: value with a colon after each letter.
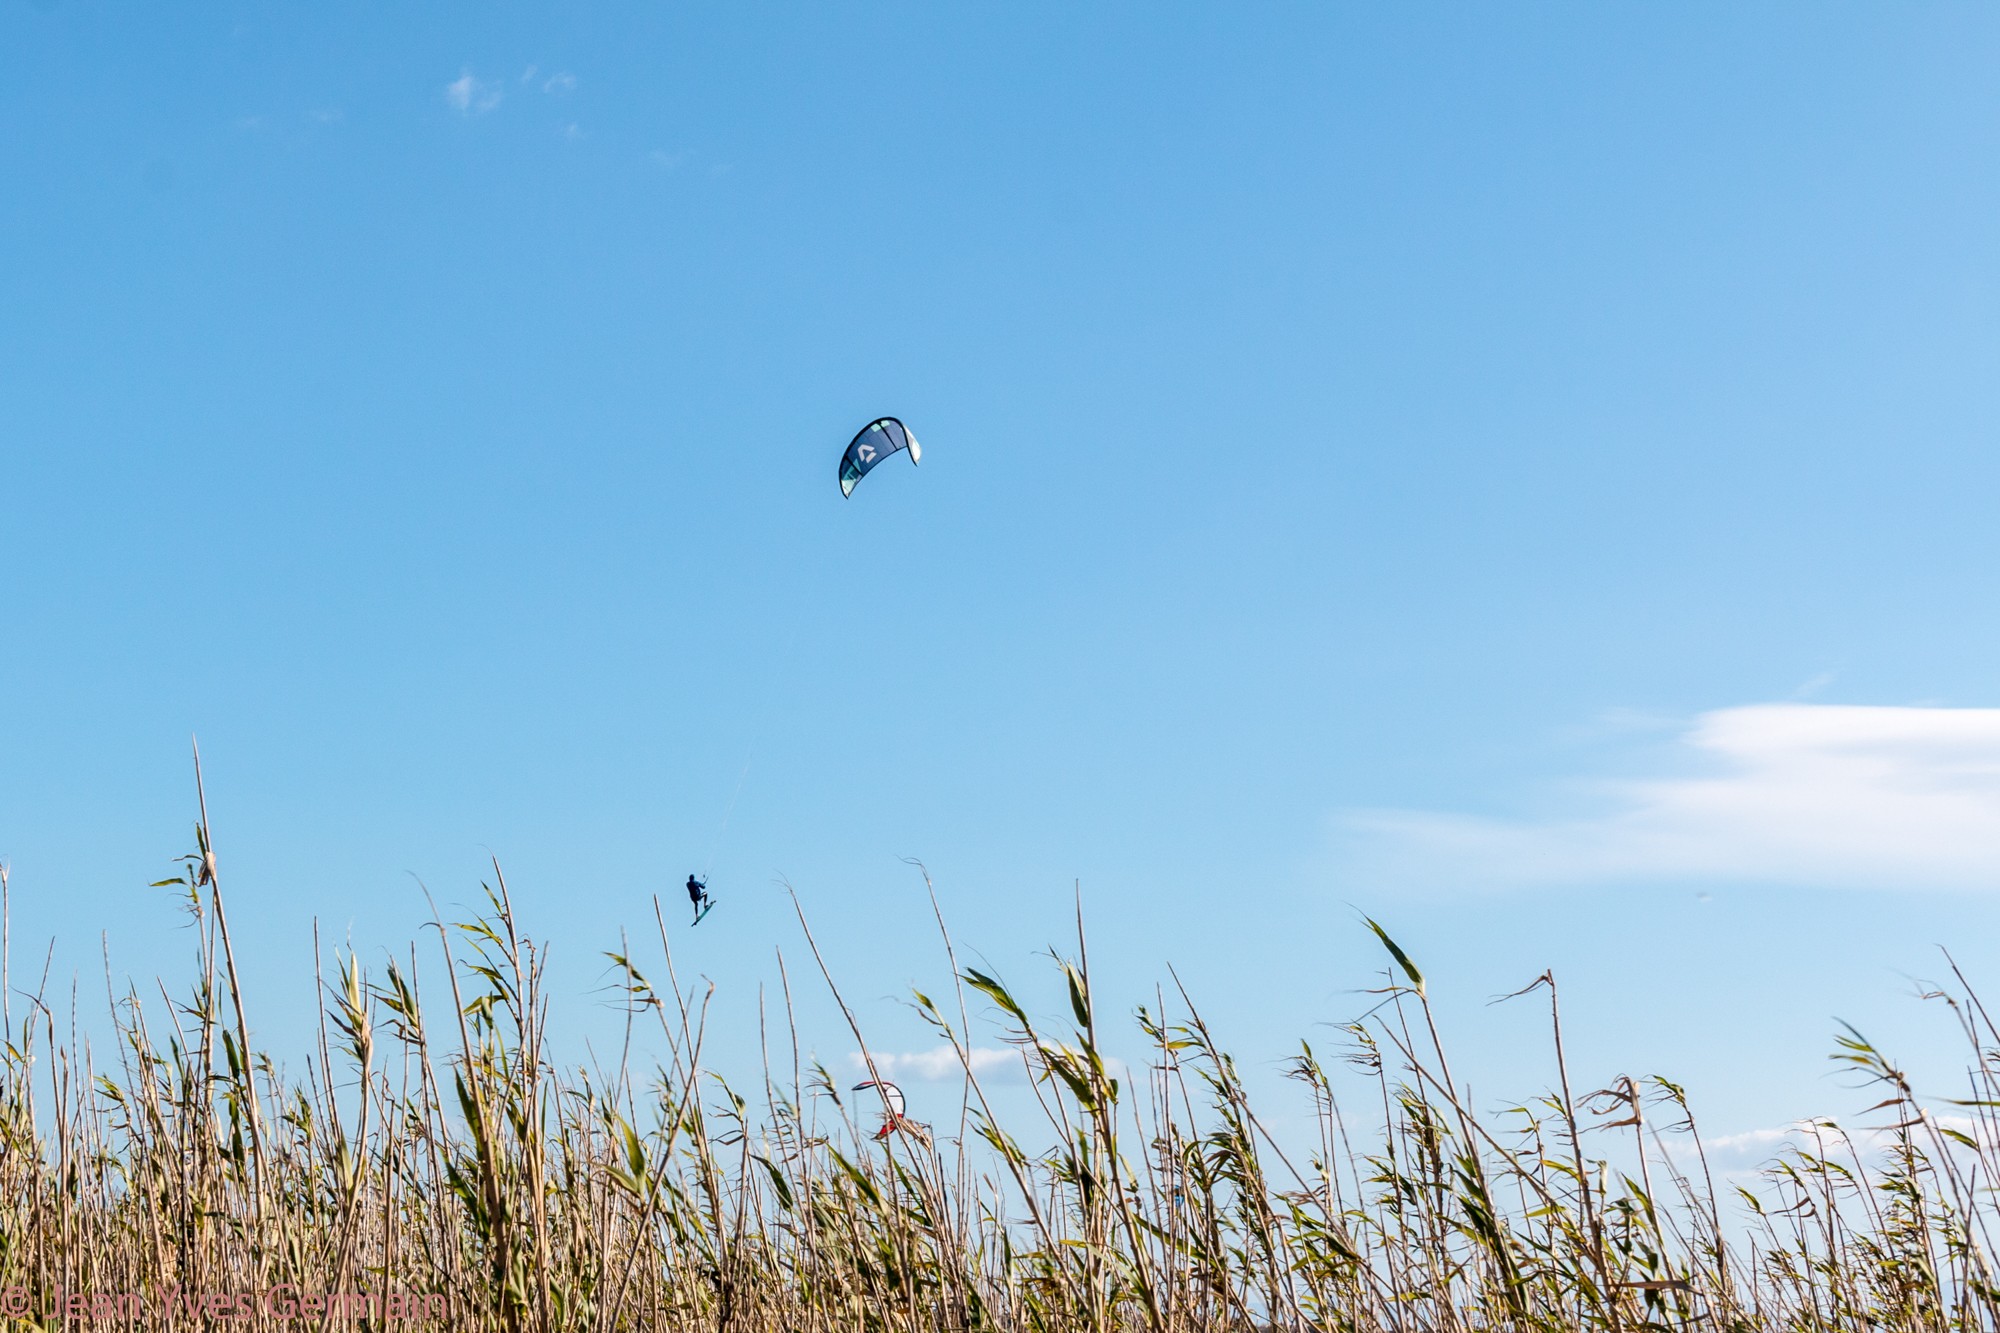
x: 533, y: 1196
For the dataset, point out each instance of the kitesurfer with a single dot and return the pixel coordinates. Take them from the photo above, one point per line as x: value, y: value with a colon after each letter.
x: 697, y: 891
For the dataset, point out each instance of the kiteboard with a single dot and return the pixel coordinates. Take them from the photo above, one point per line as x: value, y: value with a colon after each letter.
x: 707, y: 906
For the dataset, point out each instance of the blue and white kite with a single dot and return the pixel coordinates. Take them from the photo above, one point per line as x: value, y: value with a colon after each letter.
x: 877, y: 441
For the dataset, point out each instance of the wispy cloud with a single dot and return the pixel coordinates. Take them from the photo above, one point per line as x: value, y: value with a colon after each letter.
x: 1823, y: 1136
x: 940, y: 1063
x: 471, y: 96
x: 1792, y: 793
x: 1758, y: 1146
x: 562, y: 81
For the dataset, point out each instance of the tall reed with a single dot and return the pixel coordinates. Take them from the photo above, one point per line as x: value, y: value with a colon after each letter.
x: 442, y: 1166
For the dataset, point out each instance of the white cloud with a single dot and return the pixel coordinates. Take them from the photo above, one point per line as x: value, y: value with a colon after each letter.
x: 1823, y: 1136
x: 561, y: 82
x: 1793, y: 793
x: 991, y: 1064
x: 940, y: 1063
x: 470, y: 96
x: 1762, y: 1145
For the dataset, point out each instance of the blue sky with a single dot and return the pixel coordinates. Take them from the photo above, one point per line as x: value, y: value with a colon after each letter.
x: 1475, y: 468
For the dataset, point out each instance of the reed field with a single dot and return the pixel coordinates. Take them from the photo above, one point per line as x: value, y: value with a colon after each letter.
x: 440, y: 1166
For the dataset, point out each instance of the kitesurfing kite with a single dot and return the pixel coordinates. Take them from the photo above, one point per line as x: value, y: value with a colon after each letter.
x: 877, y: 440
x: 892, y: 1098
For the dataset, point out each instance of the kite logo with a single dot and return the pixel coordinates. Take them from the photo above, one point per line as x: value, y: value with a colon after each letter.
x: 865, y: 452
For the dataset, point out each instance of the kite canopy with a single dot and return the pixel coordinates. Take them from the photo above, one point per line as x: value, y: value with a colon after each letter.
x: 892, y: 1097
x: 877, y: 440
x: 890, y: 1092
